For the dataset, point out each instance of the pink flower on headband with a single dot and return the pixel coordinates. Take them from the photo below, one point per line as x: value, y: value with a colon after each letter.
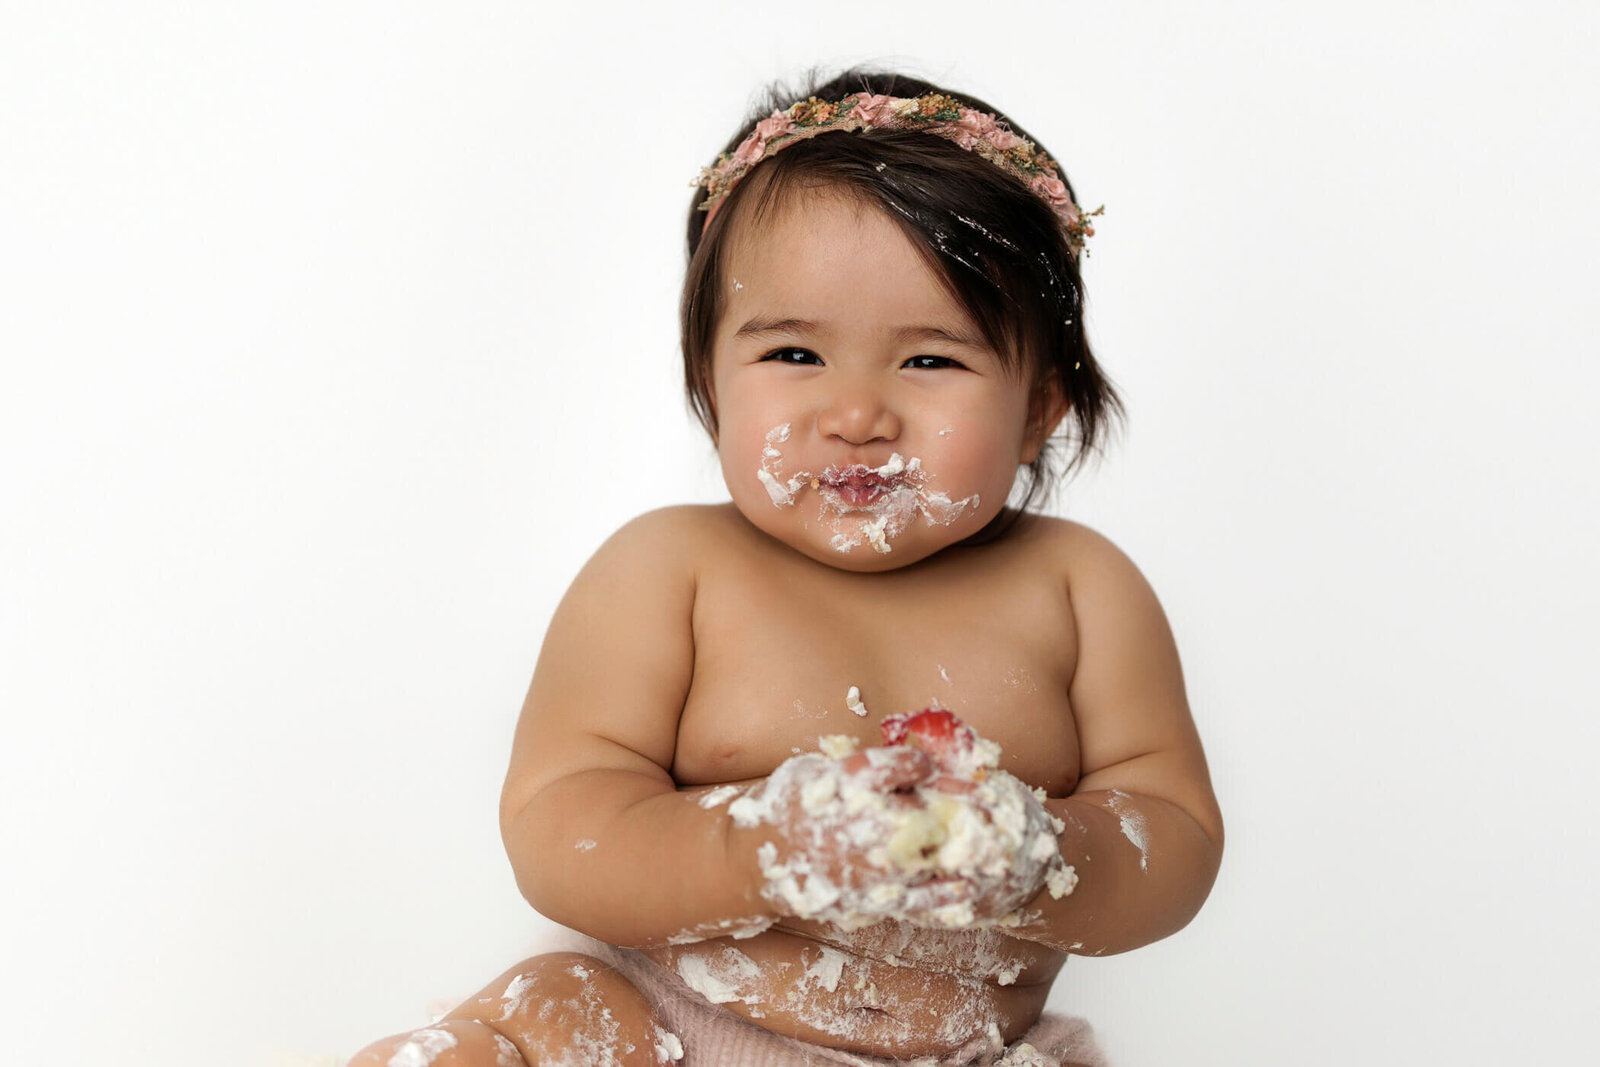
x: 1004, y: 140
x: 774, y: 124
x: 873, y: 110
x: 1055, y: 191
x: 751, y: 148
x: 970, y: 127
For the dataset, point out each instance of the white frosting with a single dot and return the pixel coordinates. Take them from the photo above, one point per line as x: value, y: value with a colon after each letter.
x: 939, y: 510
x: 826, y: 970
x: 515, y: 998
x: 1025, y: 1054
x: 1061, y: 882
x: 421, y: 1047
x: 817, y: 795
x: 720, y: 795
x: 1008, y: 975
x: 896, y: 464
x: 781, y: 492
x: 723, y: 977
x: 1133, y: 824
x: 876, y: 535
x: 598, y: 1041
x: 852, y: 700
x: 668, y: 1048
x: 997, y: 838
x: 875, y: 523
x: 775, y: 489
x: 738, y: 929
x: 837, y: 746
x: 506, y: 1054
x: 878, y: 523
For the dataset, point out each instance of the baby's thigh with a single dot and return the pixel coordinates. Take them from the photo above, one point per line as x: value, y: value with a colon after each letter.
x: 568, y: 1008
x: 563, y: 1009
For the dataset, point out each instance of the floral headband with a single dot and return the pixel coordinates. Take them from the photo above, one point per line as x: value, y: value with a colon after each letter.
x: 935, y: 113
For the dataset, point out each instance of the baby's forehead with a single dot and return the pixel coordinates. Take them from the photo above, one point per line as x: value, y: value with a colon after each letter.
x: 843, y: 247
x: 795, y: 211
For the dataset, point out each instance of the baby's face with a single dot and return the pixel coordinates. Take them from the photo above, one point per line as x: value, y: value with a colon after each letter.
x: 862, y: 419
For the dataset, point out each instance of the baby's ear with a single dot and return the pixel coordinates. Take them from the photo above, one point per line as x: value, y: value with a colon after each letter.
x: 1050, y: 405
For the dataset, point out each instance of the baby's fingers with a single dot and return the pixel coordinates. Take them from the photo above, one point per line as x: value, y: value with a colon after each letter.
x: 888, y: 769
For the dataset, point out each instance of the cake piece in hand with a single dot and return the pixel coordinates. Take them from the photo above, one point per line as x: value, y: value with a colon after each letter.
x: 926, y: 829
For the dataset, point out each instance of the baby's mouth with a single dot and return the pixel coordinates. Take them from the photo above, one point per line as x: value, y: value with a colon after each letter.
x: 858, y: 485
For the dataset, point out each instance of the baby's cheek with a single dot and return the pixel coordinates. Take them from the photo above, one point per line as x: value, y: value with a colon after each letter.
x: 739, y: 472
x: 757, y: 425
x: 977, y: 468
x: 740, y: 452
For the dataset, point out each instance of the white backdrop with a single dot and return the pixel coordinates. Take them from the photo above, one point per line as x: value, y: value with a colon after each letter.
x: 336, y: 336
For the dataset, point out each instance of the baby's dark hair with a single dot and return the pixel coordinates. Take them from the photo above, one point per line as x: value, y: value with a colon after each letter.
x: 999, y: 248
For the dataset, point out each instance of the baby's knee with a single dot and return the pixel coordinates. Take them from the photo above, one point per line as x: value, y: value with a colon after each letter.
x: 447, y: 1043
x: 565, y: 1007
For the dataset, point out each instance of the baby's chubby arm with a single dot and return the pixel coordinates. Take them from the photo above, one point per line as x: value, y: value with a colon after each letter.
x: 1143, y: 829
x: 598, y: 835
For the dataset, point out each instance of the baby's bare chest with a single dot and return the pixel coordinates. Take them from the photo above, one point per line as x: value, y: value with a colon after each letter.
x: 779, y: 649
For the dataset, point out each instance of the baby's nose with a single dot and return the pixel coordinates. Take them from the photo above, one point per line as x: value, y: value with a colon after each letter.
x: 858, y: 416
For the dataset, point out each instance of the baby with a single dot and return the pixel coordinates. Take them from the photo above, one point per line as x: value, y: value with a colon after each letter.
x: 841, y: 771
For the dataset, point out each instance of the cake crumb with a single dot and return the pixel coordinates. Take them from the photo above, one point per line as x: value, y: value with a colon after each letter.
x: 852, y: 700
x: 837, y: 746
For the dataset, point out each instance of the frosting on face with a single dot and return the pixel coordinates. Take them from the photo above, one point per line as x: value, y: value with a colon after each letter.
x: 782, y: 493
x: 863, y: 505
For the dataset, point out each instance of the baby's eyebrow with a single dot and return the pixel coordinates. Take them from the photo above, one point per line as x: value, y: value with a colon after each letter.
x: 759, y: 326
x: 936, y: 333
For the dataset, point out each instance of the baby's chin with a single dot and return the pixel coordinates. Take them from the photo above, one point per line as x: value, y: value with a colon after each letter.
x: 863, y: 560
x: 843, y: 548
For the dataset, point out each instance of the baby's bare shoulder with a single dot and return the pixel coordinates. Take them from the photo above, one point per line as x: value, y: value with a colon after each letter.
x: 1070, y: 549
x: 674, y: 521
x: 670, y: 538
x: 1106, y: 590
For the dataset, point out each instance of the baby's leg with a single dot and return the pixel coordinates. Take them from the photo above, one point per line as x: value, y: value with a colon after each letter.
x: 563, y: 1008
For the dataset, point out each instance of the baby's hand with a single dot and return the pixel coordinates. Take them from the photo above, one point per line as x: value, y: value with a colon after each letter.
x: 925, y: 829
x: 833, y: 821
x: 998, y: 836
x: 999, y: 841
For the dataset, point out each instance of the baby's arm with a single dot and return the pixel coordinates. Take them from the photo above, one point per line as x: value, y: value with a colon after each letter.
x: 598, y: 835
x: 1143, y: 830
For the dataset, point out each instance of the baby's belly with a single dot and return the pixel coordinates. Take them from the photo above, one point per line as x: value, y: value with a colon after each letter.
x: 888, y: 990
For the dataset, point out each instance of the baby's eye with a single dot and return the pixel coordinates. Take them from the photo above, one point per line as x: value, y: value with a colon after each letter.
x: 931, y: 362
x: 793, y: 356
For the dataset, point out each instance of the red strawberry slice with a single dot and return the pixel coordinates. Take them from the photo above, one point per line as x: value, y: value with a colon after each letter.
x: 937, y: 732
